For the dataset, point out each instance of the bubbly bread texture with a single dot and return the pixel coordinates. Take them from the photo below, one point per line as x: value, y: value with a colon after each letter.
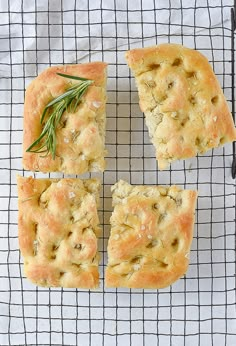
x: 151, y: 235
x: 185, y: 109
x: 80, y: 136
x: 58, y: 230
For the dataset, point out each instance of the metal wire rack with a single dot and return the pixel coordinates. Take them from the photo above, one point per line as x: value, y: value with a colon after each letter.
x: 200, y: 308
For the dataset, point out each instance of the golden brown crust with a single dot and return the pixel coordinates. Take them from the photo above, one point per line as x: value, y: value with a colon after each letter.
x: 185, y: 109
x: 58, y: 230
x: 81, y: 136
x: 151, y: 235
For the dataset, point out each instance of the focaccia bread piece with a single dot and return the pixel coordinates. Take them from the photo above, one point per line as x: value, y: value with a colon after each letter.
x: 81, y: 135
x: 151, y: 235
x: 185, y: 109
x: 58, y: 230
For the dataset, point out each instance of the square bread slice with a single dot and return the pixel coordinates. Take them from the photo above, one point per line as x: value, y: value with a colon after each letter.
x: 151, y: 235
x: 81, y: 135
x: 58, y: 230
x: 185, y: 109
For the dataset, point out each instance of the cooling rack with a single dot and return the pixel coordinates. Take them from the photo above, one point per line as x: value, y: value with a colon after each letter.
x: 199, y: 309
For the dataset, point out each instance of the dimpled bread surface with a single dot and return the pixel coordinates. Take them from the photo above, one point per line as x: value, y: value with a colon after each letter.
x: 185, y: 109
x: 58, y: 230
x: 80, y: 135
x: 151, y: 235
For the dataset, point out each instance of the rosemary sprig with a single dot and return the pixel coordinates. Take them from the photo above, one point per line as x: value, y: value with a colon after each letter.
x: 68, y: 101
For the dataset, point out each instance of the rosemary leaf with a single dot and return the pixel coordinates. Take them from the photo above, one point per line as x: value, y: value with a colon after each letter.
x: 72, y: 77
x: 68, y: 101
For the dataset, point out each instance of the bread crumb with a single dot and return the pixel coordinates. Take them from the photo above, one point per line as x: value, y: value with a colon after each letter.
x: 116, y: 236
x: 66, y: 140
x: 215, y: 118
x: 149, y: 77
x: 59, y: 184
x: 136, y: 267
x: 149, y: 236
x: 71, y: 194
x: 142, y: 228
x: 96, y: 104
x: 187, y: 255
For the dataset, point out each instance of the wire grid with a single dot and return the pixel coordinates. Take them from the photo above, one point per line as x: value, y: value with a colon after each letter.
x: 200, y: 308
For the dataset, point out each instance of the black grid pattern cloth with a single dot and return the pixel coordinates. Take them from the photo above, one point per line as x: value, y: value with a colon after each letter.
x: 199, y: 309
